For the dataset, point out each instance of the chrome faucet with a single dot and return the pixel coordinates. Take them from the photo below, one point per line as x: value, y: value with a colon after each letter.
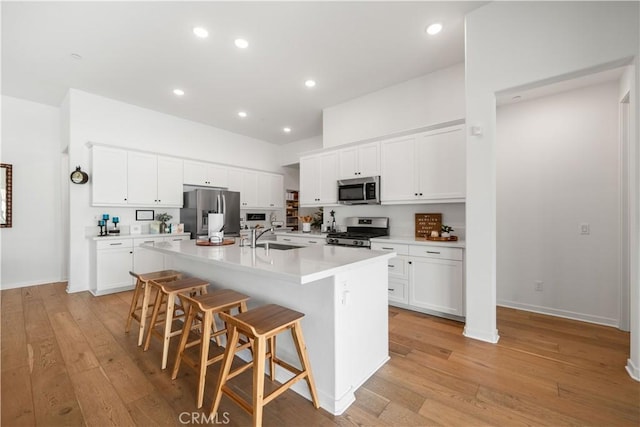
x: 255, y: 236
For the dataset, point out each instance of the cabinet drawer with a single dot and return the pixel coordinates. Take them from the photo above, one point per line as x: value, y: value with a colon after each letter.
x: 176, y: 238
x: 398, y: 267
x: 114, y: 244
x: 143, y: 240
x: 397, y: 291
x: 398, y: 248
x: 436, y: 252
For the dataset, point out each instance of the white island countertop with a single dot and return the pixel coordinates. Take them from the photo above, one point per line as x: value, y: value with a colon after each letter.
x: 302, y: 265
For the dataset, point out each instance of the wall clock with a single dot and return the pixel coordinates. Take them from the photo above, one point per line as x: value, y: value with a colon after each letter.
x: 78, y: 176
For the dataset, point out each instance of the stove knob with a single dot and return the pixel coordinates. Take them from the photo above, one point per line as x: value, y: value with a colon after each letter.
x: 356, y: 243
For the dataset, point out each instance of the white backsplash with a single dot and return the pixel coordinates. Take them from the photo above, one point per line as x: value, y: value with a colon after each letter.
x: 402, y: 217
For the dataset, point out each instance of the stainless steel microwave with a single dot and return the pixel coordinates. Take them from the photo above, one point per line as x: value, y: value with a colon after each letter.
x: 359, y: 191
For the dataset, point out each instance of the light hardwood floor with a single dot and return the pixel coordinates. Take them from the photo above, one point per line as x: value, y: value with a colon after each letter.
x: 67, y: 361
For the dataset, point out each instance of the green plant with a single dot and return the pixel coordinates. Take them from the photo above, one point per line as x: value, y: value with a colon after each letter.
x: 317, y: 218
x: 446, y: 229
x: 164, y: 217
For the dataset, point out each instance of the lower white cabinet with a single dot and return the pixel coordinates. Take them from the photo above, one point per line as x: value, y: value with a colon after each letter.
x: 426, y: 278
x: 113, y: 259
x: 301, y: 240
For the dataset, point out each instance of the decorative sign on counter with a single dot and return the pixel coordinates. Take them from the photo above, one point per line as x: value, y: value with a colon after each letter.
x: 426, y: 223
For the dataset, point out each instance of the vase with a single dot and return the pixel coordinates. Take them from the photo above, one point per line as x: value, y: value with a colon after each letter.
x: 445, y: 234
x: 163, y: 227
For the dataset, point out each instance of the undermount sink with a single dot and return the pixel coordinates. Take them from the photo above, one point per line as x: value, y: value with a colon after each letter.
x: 278, y: 246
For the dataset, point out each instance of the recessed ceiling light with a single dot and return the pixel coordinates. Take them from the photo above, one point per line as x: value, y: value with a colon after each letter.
x: 310, y: 83
x: 286, y: 130
x: 178, y: 92
x: 242, y: 114
x: 201, y: 32
x: 76, y: 56
x: 241, y: 43
x: 434, y: 29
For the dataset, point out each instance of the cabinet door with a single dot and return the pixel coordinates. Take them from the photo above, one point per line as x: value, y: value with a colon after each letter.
x: 309, y: 181
x: 109, y: 182
x: 170, y: 182
x: 275, y: 191
x: 328, y: 178
x: 144, y: 260
x: 442, y: 164
x: 113, y: 266
x: 234, y: 179
x: 398, y: 181
x: 142, y: 183
x: 436, y: 284
x: 348, y: 163
x: 195, y: 173
x: 369, y: 159
x: 217, y: 176
x: 249, y: 191
x: 397, y: 289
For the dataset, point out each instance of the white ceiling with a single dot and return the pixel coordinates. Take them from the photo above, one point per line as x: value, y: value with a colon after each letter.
x: 138, y: 52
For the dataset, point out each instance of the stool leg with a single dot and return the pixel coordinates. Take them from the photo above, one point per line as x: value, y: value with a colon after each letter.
x: 183, y: 340
x: 258, y: 379
x: 134, y: 305
x: 229, y: 353
x: 301, y: 347
x: 146, y: 296
x: 272, y: 359
x: 171, y: 299
x: 154, y: 318
x: 204, y: 354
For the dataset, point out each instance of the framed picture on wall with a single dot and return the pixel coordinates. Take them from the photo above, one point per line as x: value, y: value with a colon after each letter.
x: 144, y: 215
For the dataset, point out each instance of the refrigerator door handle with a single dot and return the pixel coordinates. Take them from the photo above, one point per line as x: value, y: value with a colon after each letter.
x: 218, y: 203
x: 224, y: 205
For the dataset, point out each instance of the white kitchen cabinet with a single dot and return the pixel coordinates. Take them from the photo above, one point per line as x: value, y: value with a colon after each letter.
x: 436, y: 284
x: 426, y: 278
x: 154, y: 180
x: 301, y: 239
x: 144, y: 260
x: 113, y: 259
x: 425, y: 167
x: 270, y: 191
x: 205, y: 174
x: 109, y: 180
x: 318, y: 179
x: 359, y: 161
x: 246, y: 182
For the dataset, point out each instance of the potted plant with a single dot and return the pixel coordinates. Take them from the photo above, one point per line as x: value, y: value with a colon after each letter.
x: 445, y: 231
x: 163, y: 218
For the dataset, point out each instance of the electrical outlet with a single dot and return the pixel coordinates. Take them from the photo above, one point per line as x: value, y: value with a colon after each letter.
x: 585, y: 228
x: 539, y: 285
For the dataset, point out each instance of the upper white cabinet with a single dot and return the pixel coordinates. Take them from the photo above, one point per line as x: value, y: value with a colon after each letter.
x: 257, y: 189
x: 359, y: 161
x: 205, y: 174
x: 426, y: 167
x: 154, y: 180
x: 318, y: 179
x: 130, y: 178
x: 109, y: 181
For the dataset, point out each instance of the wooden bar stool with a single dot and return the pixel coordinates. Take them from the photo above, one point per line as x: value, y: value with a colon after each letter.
x: 261, y: 325
x: 206, y: 306
x: 140, y: 312
x: 170, y: 291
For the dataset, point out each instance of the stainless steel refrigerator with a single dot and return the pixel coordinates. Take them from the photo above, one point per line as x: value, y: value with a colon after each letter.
x: 199, y: 203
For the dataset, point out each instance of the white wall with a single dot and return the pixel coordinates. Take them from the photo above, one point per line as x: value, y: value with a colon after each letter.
x: 290, y: 153
x: 32, y: 247
x: 557, y: 167
x: 102, y: 120
x: 511, y: 44
x: 431, y: 99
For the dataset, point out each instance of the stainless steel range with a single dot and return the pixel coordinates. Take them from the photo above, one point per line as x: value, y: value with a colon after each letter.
x: 359, y: 231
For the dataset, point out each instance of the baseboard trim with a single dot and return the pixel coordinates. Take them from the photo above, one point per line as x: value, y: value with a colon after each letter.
x: 492, y: 338
x: 598, y: 320
x: 633, y: 370
x: 30, y: 283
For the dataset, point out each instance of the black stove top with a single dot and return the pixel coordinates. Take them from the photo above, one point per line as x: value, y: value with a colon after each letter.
x: 359, y: 231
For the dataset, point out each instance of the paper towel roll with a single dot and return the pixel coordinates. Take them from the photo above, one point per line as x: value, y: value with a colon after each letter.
x: 216, y: 221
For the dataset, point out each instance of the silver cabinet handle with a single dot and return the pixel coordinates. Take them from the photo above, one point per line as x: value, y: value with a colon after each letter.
x: 433, y: 252
x: 148, y: 241
x: 287, y: 240
x: 391, y: 289
x: 312, y: 241
x: 391, y: 266
x: 388, y: 249
x: 114, y: 244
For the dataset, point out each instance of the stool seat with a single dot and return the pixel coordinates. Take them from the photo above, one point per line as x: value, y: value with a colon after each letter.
x: 260, y: 326
x: 170, y: 291
x: 139, y: 311
x: 206, y: 306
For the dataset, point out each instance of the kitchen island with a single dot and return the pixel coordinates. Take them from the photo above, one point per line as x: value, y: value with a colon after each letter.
x: 342, y: 292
